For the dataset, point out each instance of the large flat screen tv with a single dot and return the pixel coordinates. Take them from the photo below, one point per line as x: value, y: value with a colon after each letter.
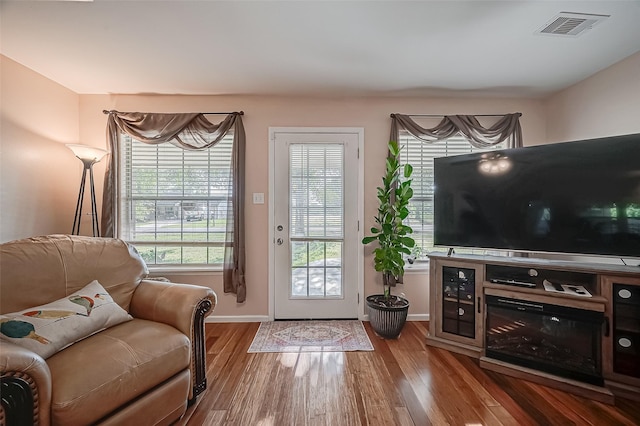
x: 572, y: 197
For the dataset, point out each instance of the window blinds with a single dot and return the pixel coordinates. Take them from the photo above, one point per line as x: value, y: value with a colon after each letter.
x: 173, y: 202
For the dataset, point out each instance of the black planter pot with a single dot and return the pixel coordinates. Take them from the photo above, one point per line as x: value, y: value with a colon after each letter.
x: 387, y: 321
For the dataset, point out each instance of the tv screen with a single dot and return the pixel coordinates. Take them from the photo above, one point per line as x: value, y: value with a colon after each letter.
x: 573, y: 197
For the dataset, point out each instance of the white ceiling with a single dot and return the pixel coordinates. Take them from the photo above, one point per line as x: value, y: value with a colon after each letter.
x: 443, y: 48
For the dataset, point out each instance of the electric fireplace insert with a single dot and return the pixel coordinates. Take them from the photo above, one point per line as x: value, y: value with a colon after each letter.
x: 559, y: 340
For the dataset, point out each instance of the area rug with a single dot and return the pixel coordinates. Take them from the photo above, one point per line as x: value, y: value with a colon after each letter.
x: 311, y: 336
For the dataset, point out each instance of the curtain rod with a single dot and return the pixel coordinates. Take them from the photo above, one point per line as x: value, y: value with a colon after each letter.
x: 104, y: 111
x: 442, y: 115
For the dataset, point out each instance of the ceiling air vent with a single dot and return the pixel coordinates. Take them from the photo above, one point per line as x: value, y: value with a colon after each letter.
x: 571, y: 24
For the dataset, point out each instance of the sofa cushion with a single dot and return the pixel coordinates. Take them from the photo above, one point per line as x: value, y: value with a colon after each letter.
x: 98, y: 375
x: 145, y: 410
x: 49, y: 328
x: 51, y: 267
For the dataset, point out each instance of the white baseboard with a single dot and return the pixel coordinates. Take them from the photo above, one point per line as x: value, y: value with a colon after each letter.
x: 261, y: 318
x: 418, y: 317
x: 410, y: 317
x: 237, y: 318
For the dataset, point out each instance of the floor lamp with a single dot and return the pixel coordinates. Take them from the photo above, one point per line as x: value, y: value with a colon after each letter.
x: 89, y: 156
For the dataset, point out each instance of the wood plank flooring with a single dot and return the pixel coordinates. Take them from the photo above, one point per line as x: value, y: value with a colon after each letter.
x: 402, y: 382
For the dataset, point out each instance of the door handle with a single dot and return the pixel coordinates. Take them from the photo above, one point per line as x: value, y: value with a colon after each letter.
x: 279, y: 241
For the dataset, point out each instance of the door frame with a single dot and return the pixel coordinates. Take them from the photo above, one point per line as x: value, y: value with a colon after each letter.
x: 359, y: 131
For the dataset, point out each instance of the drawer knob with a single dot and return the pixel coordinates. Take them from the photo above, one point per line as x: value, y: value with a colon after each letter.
x: 460, y: 311
x: 624, y: 293
x: 624, y: 342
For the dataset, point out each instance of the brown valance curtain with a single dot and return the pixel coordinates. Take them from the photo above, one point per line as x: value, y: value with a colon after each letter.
x: 192, y: 131
x: 506, y: 128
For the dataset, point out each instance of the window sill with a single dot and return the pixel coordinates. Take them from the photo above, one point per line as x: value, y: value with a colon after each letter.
x: 184, y: 270
x: 418, y: 266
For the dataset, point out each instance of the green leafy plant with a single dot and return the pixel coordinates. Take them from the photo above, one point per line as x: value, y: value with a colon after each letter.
x: 390, y: 233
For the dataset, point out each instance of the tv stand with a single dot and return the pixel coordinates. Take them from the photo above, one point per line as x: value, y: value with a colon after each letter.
x: 605, y: 300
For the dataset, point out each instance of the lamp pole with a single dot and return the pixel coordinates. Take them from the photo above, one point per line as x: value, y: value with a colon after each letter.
x: 88, y: 165
x: 89, y: 156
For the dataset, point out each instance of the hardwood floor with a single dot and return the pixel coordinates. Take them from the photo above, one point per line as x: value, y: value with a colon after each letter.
x: 402, y: 382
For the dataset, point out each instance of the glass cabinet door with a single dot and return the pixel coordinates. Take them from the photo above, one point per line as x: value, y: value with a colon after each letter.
x: 458, y: 301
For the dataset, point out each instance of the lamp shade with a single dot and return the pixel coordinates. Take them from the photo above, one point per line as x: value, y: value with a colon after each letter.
x: 85, y: 152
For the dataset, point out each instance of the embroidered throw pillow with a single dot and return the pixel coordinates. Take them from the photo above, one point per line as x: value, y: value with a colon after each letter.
x: 50, y: 328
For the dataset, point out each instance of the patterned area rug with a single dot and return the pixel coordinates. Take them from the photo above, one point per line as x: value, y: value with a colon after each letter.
x: 311, y: 336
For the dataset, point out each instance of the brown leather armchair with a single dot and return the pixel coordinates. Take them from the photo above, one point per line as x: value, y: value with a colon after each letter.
x: 143, y: 371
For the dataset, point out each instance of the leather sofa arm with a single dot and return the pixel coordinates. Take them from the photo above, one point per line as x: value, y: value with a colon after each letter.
x: 171, y: 303
x: 25, y: 386
x: 184, y: 307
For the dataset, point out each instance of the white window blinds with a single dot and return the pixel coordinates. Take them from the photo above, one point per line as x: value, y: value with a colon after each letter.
x: 316, y: 194
x: 173, y: 202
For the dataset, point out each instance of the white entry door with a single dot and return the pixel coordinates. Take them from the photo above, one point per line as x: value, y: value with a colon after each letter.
x: 315, y: 219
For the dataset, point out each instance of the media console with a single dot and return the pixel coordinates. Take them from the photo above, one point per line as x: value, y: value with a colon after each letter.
x: 568, y: 325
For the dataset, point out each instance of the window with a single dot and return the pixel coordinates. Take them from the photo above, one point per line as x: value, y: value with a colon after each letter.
x: 173, y: 202
x: 420, y: 155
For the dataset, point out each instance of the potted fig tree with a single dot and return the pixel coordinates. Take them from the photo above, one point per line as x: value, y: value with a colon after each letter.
x: 388, y: 313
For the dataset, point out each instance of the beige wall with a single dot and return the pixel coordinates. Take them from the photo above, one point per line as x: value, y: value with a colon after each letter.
x: 263, y: 112
x: 39, y: 176
x: 605, y: 104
